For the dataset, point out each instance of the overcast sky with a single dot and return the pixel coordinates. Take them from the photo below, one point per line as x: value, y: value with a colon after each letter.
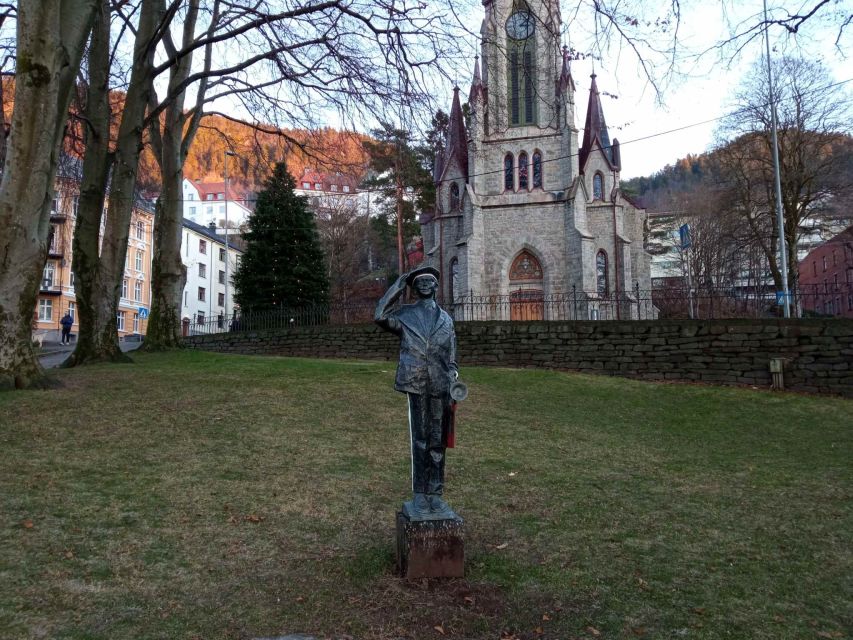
x: 702, y: 91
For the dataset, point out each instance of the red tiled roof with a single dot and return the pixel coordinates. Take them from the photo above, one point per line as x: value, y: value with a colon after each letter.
x: 213, y: 188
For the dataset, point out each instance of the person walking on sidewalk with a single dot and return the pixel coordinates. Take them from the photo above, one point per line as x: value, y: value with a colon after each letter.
x: 66, y: 322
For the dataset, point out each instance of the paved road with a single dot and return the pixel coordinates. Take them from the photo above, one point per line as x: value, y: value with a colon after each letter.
x: 55, y: 353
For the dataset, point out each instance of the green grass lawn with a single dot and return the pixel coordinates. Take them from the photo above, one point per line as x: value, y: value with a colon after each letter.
x: 195, y: 495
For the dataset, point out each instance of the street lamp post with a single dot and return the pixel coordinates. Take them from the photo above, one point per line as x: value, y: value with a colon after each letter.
x: 227, y: 255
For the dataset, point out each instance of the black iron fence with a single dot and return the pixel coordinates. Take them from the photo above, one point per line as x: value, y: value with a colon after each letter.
x: 531, y: 304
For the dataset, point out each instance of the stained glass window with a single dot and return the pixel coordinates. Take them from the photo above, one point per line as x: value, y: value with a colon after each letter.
x: 509, y: 179
x: 601, y: 273
x: 537, y: 170
x: 454, y: 196
x: 597, y: 187
x: 522, y: 171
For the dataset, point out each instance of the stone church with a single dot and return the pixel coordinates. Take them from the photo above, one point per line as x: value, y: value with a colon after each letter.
x: 529, y: 223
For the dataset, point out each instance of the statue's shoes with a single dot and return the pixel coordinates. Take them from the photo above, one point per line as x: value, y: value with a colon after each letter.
x: 439, y: 506
x: 420, y: 504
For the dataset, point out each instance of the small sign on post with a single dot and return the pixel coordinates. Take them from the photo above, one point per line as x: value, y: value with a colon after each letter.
x: 780, y: 298
x: 143, y: 313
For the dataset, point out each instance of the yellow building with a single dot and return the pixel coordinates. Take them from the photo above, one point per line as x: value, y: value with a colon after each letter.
x: 56, y: 293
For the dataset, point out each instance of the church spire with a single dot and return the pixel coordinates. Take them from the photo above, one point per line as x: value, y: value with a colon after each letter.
x: 566, y: 81
x: 457, y: 136
x: 476, y: 84
x: 595, y: 130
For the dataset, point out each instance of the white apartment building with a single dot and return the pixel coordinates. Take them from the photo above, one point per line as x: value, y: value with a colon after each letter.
x: 204, y: 298
x: 206, y: 202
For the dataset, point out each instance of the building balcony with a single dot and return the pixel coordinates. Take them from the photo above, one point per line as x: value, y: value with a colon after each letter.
x: 57, y: 216
x: 49, y: 288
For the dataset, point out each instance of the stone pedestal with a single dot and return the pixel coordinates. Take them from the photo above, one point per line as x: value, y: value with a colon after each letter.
x: 430, y: 548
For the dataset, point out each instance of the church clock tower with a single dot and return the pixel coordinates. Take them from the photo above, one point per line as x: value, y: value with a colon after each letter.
x: 511, y: 201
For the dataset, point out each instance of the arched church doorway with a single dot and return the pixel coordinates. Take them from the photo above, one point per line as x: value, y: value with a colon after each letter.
x: 526, y: 296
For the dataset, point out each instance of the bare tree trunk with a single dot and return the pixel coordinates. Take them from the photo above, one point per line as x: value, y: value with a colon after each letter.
x: 98, y: 339
x: 51, y: 35
x: 93, y: 187
x: 168, y: 273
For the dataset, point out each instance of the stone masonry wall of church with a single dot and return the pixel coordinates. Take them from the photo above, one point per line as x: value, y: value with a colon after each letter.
x: 818, y: 353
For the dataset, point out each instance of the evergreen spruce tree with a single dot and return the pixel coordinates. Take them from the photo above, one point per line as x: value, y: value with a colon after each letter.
x: 283, y: 265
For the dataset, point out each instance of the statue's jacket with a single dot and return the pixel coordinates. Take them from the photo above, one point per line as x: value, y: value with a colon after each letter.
x: 427, y: 348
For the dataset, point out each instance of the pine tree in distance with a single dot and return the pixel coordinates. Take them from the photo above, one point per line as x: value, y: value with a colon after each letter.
x: 283, y: 263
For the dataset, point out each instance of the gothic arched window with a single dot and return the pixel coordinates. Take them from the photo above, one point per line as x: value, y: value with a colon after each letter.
x: 454, y: 196
x: 598, y: 187
x: 454, y: 279
x: 509, y: 178
x: 523, y: 183
x: 537, y: 170
x: 601, y: 273
x: 520, y: 27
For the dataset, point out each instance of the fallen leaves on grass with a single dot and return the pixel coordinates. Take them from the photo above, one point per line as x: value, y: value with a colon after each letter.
x: 830, y: 634
x: 503, y: 545
x: 439, y: 628
x: 27, y: 524
x: 545, y: 617
x: 594, y: 631
x: 253, y: 518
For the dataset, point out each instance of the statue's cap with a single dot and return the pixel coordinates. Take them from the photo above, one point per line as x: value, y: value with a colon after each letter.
x: 421, y: 271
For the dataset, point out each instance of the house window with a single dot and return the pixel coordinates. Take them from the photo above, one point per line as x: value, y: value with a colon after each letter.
x: 190, y: 196
x: 72, y: 311
x: 192, y: 211
x: 209, y: 209
x: 222, y: 254
x: 201, y: 294
x: 120, y: 321
x: 199, y: 317
x: 824, y: 263
x: 306, y: 185
x: 202, y: 246
x: 137, y: 291
x: 202, y: 270
x: 54, y: 207
x: 209, y: 196
x: 139, y: 256
x: 45, y: 310
x: 814, y: 268
x: 454, y: 196
x: 221, y: 299
x: 221, y: 277
x: 334, y: 187
x: 75, y: 205
x: 318, y: 186
x: 135, y: 323
x: 601, y: 273
x: 509, y: 179
x: 71, y: 279
x: 222, y: 208
x: 140, y: 230
x: 54, y: 239
x: 522, y: 171
x: 346, y: 188
x: 124, y: 288
x: 47, y: 275
x: 220, y: 196
x: 598, y: 187
x: 537, y: 170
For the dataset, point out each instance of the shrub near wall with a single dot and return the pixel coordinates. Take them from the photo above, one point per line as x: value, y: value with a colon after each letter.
x: 818, y: 354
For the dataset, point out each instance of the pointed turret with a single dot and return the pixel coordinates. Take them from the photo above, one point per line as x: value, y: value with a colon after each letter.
x: 566, y: 81
x: 595, y: 129
x: 476, y: 93
x: 457, y: 138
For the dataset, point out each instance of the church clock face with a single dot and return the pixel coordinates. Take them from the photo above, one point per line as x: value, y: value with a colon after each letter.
x: 519, y: 26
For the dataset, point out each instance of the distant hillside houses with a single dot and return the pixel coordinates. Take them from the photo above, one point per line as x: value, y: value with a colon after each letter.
x: 207, y: 201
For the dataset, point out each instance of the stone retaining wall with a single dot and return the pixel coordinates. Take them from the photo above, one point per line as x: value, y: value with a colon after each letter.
x: 818, y: 354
